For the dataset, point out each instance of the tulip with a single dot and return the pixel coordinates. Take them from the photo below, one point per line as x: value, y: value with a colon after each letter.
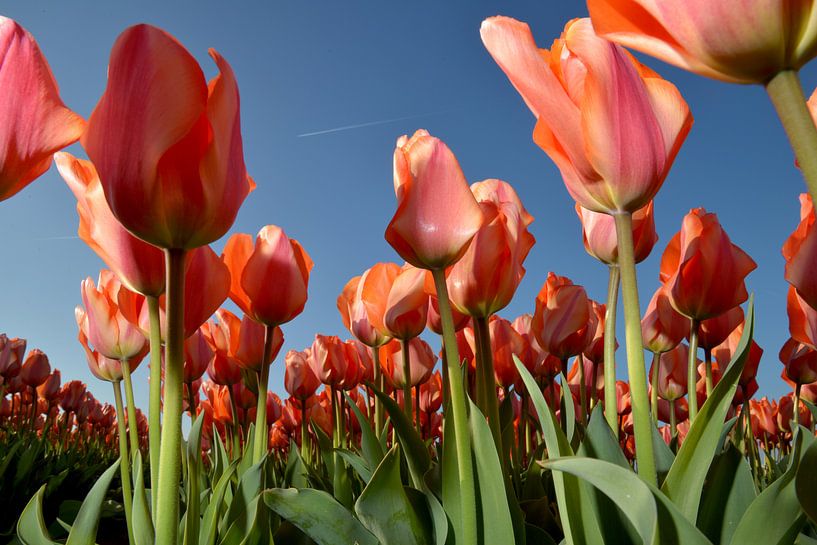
x: 50, y: 388
x: 103, y: 368
x: 802, y: 318
x: 599, y: 234
x: 434, y: 322
x: 299, y: 379
x: 762, y: 414
x: 437, y: 216
x: 407, y: 304
x: 506, y: 342
x: 800, y: 252
x: 362, y: 304
x: 785, y: 414
x: 725, y: 352
x: 485, y: 279
x: 35, y: 369
x: 703, y: 270
x: 671, y: 379
x: 431, y: 393
x: 197, y: 356
x: 11, y: 356
x: 800, y: 361
x: 563, y: 321
x: 712, y: 332
x: 586, y: 94
x: 36, y: 123
x: 662, y: 327
x: 422, y: 360
x: 139, y: 265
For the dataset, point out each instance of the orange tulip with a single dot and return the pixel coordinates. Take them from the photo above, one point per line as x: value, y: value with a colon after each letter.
x: 563, y: 321
x: 800, y: 252
x: 244, y: 340
x: 72, y: 395
x: 11, y: 356
x: 270, y: 279
x: 166, y: 143
x: 299, y: 379
x: 662, y: 327
x: 714, y: 331
x: 611, y: 125
x: 531, y: 354
x: 434, y: 322
x: 35, y: 368
x: 437, y: 215
x: 762, y: 419
x: 599, y: 234
x: 745, y: 43
x: 406, y: 304
x: 139, y: 265
x: 334, y: 362
x: 800, y: 361
x: 35, y: 123
x: 802, y: 319
x: 672, y: 373
x: 785, y: 413
x: 431, y: 393
x: 50, y: 388
x: 704, y: 272
x: 104, y: 324
x: 485, y: 279
x: 362, y: 303
x: 421, y: 362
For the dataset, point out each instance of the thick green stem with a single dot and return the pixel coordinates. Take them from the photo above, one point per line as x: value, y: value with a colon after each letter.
x: 261, y: 435
x: 673, y: 421
x: 167, y: 522
x: 124, y: 461
x: 155, y: 405
x: 787, y: 96
x: 407, y: 402
x: 797, y: 404
x: 485, y: 368
x: 378, y: 382
x: 459, y: 414
x: 692, y: 370
x: 133, y: 423
x: 635, y: 348
x: 610, y: 400
x: 656, y: 361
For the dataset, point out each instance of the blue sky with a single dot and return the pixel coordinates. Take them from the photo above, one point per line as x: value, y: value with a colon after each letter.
x: 308, y: 67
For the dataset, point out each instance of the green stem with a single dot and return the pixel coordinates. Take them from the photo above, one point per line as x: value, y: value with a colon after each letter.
x: 407, y: 402
x: 708, y: 366
x: 485, y: 368
x: 673, y: 421
x: 635, y: 348
x: 234, y: 451
x: 610, y: 312
x: 167, y: 522
x: 797, y: 404
x: 304, y: 432
x: 124, y: 461
x: 582, y: 392
x: 155, y: 405
x: 787, y: 96
x: 692, y: 370
x: 261, y: 434
x: 459, y: 410
x: 417, y: 422
x: 133, y: 423
x: 378, y: 382
x: 656, y: 361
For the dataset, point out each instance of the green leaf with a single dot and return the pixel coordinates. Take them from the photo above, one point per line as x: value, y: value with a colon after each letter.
x: 384, y: 508
x: 142, y: 523
x: 497, y: 526
x: 192, y: 521
x: 729, y: 492
x: 369, y: 445
x: 806, y: 480
x: 775, y: 515
x: 357, y: 463
x: 413, y: 445
x: 685, y: 480
x: 295, y: 474
x: 664, y: 457
x: 319, y: 516
x: 451, y: 479
x: 9, y: 457
x: 209, y: 522
x: 579, y: 523
x: 83, y: 530
x: 250, y: 486
x: 31, y: 528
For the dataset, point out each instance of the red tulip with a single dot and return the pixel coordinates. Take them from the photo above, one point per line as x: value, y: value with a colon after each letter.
x: 362, y: 304
x: 800, y: 252
x: 662, y: 327
x: 800, y: 361
x: 623, y: 400
x: 437, y: 215
x: 104, y: 324
x: 431, y: 393
x: 531, y: 354
x: 704, y: 272
x: 35, y: 122
x: 197, y: 356
x: 421, y: 362
x: 72, y: 394
x: 270, y: 279
x: 785, y: 414
x: 802, y: 319
x: 485, y: 279
x: 139, y: 265
x: 407, y: 304
x: 506, y: 342
x: 745, y: 43
x: 595, y: 349
x: 50, y: 388
x: 434, y: 321
x: 223, y: 368
x: 166, y: 144
x: 599, y: 234
x: 299, y: 379
x: 762, y: 418
x: 574, y: 378
x: 672, y: 373
x: 611, y: 125
x: 563, y: 321
x: 11, y: 356
x: 724, y: 353
x: 714, y: 331
x: 35, y: 368
x: 335, y: 362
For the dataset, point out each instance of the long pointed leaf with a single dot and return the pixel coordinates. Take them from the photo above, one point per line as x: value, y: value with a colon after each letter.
x: 413, y: 445
x: 83, y: 531
x: 142, y: 523
x: 31, y: 528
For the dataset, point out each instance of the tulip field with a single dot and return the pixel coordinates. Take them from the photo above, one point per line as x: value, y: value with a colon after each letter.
x: 437, y: 418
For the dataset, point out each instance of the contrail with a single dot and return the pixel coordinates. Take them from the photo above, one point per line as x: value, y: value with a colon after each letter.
x: 371, y: 124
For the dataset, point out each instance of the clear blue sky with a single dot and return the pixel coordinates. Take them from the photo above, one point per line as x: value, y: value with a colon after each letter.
x: 305, y: 67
